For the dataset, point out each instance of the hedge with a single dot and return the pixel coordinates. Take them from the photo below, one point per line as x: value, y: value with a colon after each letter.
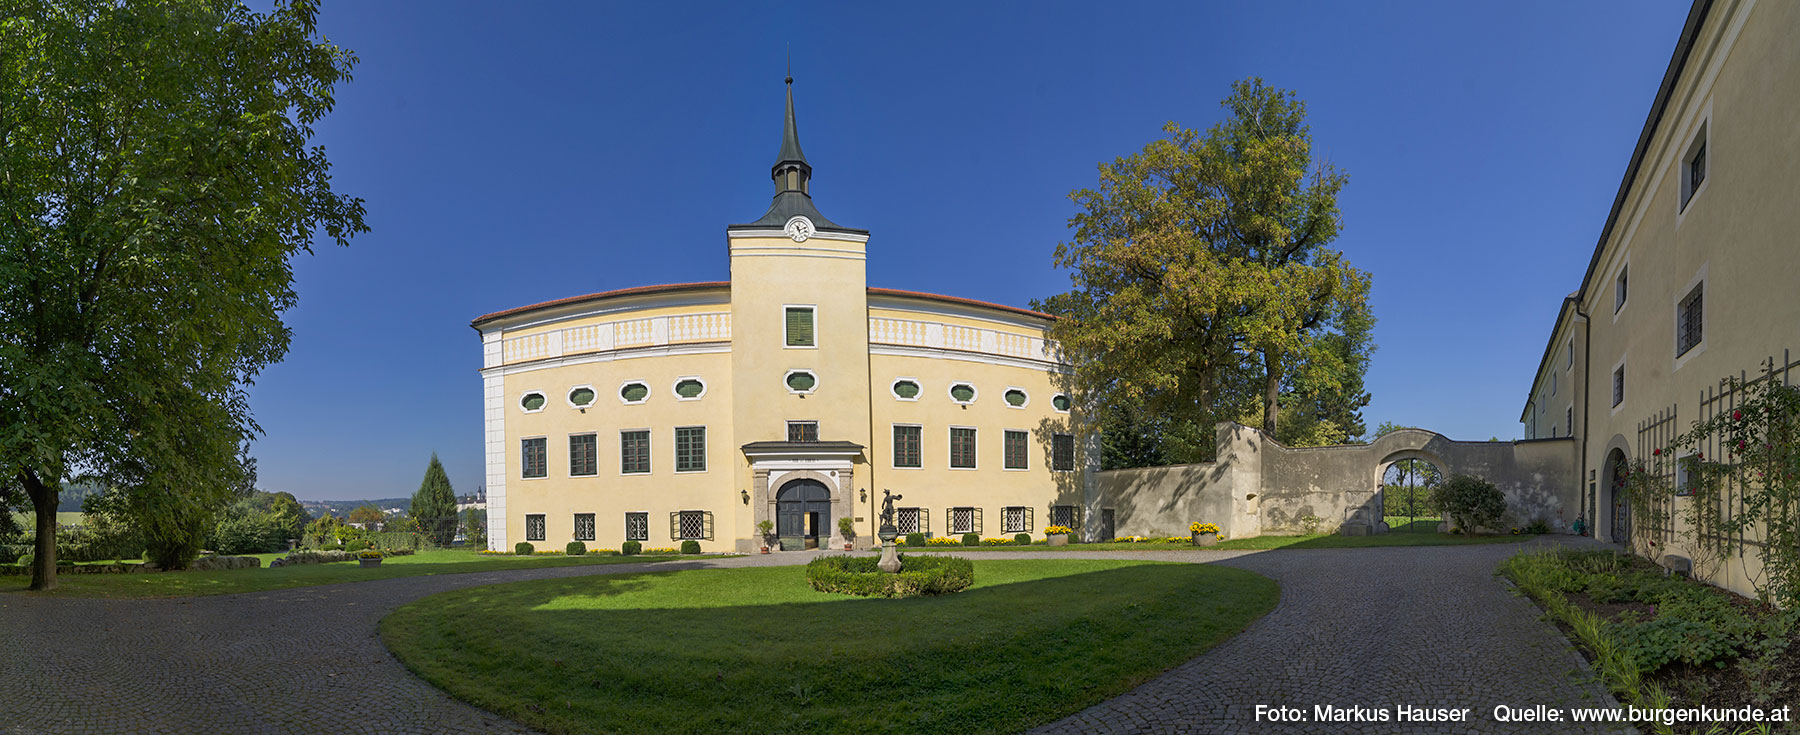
x: 919, y: 576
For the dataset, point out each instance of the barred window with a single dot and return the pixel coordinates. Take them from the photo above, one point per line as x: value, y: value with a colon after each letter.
x: 910, y: 520
x: 690, y: 449
x: 1063, y: 515
x: 534, y: 527
x: 584, y: 526
x: 536, y: 463
x: 637, y: 526
x: 1688, y: 323
x: 906, y: 446
x: 691, y: 524
x: 965, y: 520
x: 1016, y: 519
x: 803, y: 431
x: 1062, y: 452
x: 1618, y: 395
x: 634, y: 452
x: 1016, y: 443
x: 962, y: 448
x: 584, y: 455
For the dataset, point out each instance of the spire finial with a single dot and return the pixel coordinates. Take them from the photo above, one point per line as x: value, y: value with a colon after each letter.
x: 790, y: 65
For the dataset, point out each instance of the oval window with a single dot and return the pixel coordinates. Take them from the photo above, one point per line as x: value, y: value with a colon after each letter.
x: 690, y: 388
x: 1061, y: 402
x: 532, y: 401
x: 962, y: 392
x: 634, y: 392
x: 906, y: 389
x: 581, y: 396
x: 801, y: 382
x: 1015, y: 398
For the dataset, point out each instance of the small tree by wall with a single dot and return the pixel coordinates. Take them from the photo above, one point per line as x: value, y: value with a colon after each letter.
x: 1470, y: 502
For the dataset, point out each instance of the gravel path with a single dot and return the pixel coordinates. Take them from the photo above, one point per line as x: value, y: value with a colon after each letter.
x: 1420, y: 626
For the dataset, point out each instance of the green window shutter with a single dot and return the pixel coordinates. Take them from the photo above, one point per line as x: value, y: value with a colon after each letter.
x: 799, y: 327
x: 689, y: 388
x: 801, y: 381
x: 1061, y: 402
x: 1015, y: 398
x: 634, y: 392
x: 906, y: 389
x: 533, y: 401
x: 674, y: 525
x: 581, y: 396
x: 963, y: 392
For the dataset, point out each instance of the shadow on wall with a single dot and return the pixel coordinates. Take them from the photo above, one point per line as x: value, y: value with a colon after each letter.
x: 1259, y: 486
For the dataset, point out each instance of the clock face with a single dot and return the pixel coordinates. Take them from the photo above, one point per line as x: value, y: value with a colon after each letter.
x: 799, y: 228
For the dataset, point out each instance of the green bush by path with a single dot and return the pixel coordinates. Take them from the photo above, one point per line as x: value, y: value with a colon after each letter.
x: 631, y: 547
x: 757, y: 650
x: 190, y: 584
x: 919, y: 576
x: 524, y: 548
x: 690, y: 546
x: 575, y: 548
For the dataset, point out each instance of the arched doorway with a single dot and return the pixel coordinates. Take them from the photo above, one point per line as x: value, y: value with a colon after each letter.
x: 1407, y: 501
x: 802, y: 514
x: 1618, y: 499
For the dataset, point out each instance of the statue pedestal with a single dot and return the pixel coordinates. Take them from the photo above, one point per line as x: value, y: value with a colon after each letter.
x: 890, y: 560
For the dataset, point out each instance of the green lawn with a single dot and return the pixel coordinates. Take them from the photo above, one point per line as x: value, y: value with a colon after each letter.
x: 28, y: 521
x: 1405, y: 524
x: 757, y: 650
x: 191, y: 584
x: 1314, y: 541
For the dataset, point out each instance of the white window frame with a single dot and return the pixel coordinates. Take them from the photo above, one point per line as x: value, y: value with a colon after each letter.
x: 1010, y: 389
x: 895, y: 445
x: 1621, y: 300
x: 543, y: 527
x: 900, y: 520
x: 675, y: 450
x: 1697, y: 135
x: 522, y: 441
x: 1684, y: 478
x: 814, y: 308
x: 575, y: 527
x: 596, y: 472
x: 619, y: 392
x: 791, y: 373
x: 649, y: 448
x: 684, y: 379
x: 788, y: 425
x: 1006, y: 519
x: 569, y: 397
x: 892, y: 389
x: 1699, y: 279
x: 646, y: 517
x: 1066, y: 398
x: 527, y: 394
x: 950, y: 390
x: 950, y: 449
x: 1617, y: 376
x: 950, y: 523
x: 1003, y: 433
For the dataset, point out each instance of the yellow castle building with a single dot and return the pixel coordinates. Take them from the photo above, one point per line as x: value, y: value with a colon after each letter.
x: 793, y: 394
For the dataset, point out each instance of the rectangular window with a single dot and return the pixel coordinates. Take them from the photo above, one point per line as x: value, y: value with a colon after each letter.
x: 803, y: 431
x: 1016, y: 519
x: 1571, y: 419
x: 634, y: 452
x: 1570, y: 351
x: 637, y: 526
x: 690, y: 449
x: 691, y: 524
x: 906, y: 446
x: 910, y: 520
x: 1619, y: 288
x: 962, y: 449
x: 536, y: 460
x: 1693, y: 167
x: 1618, y: 386
x: 800, y: 326
x: 1685, y: 468
x: 1553, y: 383
x: 584, y: 526
x: 1687, y: 322
x: 1062, y: 452
x: 1016, y: 444
x: 965, y: 520
x: 534, y: 527
x: 1063, y: 515
x: 584, y: 455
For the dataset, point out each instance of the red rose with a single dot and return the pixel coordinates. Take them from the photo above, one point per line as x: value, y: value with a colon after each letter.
x: 1738, y: 415
x: 1657, y: 452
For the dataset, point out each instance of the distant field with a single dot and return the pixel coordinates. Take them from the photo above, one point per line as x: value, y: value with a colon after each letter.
x: 64, y: 518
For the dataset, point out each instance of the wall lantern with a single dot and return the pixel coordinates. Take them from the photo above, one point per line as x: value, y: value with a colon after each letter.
x: 864, y: 494
x: 746, y: 494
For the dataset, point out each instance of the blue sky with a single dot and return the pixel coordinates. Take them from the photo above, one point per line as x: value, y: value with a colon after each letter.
x: 515, y: 153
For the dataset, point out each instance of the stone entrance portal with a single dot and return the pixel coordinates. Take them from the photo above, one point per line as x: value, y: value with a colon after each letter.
x: 803, y: 515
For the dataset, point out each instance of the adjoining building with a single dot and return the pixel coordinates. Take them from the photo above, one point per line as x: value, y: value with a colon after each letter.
x: 1696, y: 273
x: 792, y: 393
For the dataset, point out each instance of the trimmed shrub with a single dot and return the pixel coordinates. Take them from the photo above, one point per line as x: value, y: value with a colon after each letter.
x: 915, y: 539
x: 690, y: 546
x: 630, y: 548
x: 25, y: 560
x: 524, y: 548
x: 971, y: 539
x: 919, y: 576
x: 318, y: 557
x: 575, y: 548
x: 1471, y: 502
x: 1023, y: 539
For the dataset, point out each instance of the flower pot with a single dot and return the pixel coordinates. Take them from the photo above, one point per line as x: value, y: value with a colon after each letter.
x: 368, y: 562
x: 850, y: 547
x: 1057, y: 539
x: 765, y: 549
x: 1206, y: 539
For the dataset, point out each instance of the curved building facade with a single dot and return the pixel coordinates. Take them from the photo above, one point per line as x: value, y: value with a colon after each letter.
x: 792, y: 393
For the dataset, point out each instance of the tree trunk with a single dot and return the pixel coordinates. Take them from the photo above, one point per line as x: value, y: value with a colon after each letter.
x: 1271, y: 392
x: 43, y: 501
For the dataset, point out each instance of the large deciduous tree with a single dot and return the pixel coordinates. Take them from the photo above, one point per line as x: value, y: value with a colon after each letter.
x: 434, y: 505
x: 156, y: 179
x: 1203, y: 285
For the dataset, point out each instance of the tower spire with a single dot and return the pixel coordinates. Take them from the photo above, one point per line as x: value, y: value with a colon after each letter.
x: 791, y: 158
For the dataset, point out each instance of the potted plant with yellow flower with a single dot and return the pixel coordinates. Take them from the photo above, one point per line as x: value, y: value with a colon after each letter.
x: 368, y: 558
x: 1205, y: 534
x: 1057, y: 535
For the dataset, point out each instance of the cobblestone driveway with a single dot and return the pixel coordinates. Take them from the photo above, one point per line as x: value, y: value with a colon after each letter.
x: 1419, y: 626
